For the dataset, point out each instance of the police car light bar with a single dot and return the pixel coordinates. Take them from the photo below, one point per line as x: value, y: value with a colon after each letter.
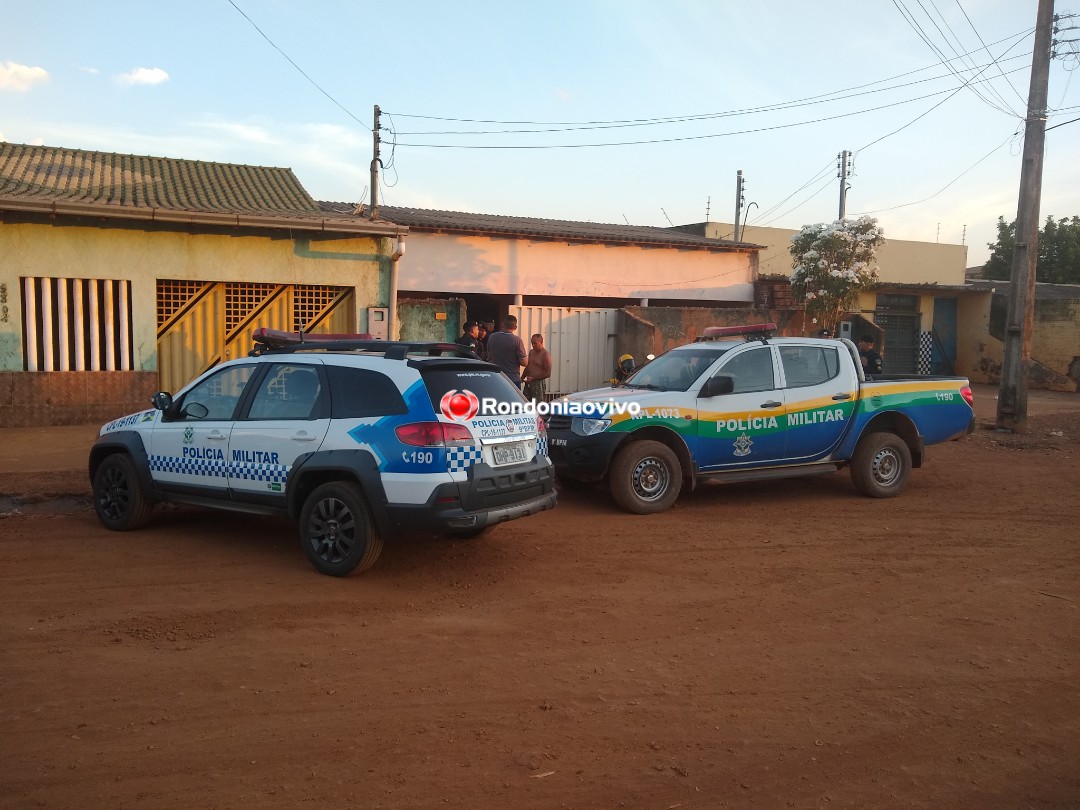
x: 276, y: 338
x: 751, y: 330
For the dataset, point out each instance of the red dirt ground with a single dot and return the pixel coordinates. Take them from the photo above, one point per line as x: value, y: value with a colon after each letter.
x: 773, y: 645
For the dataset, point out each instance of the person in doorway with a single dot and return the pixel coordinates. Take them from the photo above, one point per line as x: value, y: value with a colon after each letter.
x: 485, y: 330
x: 505, y: 349
x: 537, y: 370
x: 871, y: 360
x: 470, y: 337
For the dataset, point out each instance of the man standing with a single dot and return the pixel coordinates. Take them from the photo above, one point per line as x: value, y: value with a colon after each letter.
x: 470, y: 337
x: 537, y: 370
x: 506, y: 350
x: 871, y: 360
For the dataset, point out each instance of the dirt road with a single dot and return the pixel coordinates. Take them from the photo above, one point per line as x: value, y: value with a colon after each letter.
x: 780, y: 645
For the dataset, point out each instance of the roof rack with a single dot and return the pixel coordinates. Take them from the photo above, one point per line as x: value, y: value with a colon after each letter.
x: 759, y: 331
x: 276, y: 341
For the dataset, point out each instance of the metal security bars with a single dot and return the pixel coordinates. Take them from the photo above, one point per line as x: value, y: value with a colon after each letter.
x: 76, y: 324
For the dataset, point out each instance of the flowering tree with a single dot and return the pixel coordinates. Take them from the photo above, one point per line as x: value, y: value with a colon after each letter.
x: 832, y: 264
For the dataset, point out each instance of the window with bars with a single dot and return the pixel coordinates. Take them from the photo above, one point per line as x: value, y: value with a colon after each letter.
x: 76, y: 324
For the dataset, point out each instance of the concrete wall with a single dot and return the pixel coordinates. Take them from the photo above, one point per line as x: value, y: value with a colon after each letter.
x: 654, y: 330
x: 431, y: 319
x: 144, y: 256
x: 480, y: 264
x: 900, y: 261
x: 1055, y: 344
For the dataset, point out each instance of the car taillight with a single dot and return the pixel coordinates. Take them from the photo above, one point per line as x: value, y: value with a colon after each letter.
x: 968, y: 395
x: 434, y: 434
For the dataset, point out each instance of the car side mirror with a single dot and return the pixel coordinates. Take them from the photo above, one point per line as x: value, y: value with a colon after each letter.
x: 715, y: 386
x: 162, y: 400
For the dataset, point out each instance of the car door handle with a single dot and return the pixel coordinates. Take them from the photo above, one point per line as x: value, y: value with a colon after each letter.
x: 841, y: 397
x: 771, y: 404
x: 216, y: 435
x: 303, y: 437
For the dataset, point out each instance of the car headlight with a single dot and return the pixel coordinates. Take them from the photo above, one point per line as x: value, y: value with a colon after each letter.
x: 583, y: 426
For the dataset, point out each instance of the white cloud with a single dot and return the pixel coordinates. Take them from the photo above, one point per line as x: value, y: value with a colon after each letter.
x: 143, y: 76
x: 93, y: 71
x: 21, y: 78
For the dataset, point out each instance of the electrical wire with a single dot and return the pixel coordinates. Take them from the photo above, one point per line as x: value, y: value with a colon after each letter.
x: 688, y: 137
x: 1023, y: 101
x: 288, y: 58
x: 1011, y: 137
x: 909, y: 18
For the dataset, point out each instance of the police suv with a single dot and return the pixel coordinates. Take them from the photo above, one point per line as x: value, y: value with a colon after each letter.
x: 355, y: 440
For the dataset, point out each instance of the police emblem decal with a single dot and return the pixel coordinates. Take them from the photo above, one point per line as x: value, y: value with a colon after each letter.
x: 742, y: 445
x: 189, y: 434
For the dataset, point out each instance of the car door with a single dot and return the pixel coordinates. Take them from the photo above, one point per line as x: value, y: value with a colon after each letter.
x: 821, y: 389
x: 745, y: 427
x: 287, y: 416
x: 189, y: 446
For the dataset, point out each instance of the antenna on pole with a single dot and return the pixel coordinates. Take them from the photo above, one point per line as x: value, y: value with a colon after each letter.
x: 708, y: 205
x: 739, y: 197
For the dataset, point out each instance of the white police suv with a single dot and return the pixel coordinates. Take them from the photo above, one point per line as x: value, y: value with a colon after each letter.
x: 355, y: 440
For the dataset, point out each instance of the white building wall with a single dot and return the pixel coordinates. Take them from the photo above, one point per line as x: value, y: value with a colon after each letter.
x: 480, y: 264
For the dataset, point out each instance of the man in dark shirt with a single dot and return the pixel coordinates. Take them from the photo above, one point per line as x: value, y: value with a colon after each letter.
x: 506, y: 350
x: 871, y: 360
x: 470, y: 337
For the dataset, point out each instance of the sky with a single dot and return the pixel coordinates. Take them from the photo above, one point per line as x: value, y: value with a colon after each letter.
x: 617, y: 111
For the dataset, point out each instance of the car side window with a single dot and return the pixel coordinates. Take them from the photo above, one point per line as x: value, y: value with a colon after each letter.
x: 288, y: 391
x: 358, y: 393
x: 809, y: 365
x: 751, y: 370
x: 218, y: 394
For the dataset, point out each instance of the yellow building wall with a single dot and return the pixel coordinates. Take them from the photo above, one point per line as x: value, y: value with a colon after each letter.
x: 899, y: 261
x: 143, y: 256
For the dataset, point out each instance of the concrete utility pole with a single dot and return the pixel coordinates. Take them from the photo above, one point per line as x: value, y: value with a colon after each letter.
x: 375, y: 163
x: 738, y: 201
x: 1020, y: 320
x: 842, y: 172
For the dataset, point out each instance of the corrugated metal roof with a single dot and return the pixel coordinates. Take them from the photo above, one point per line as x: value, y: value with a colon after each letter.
x: 426, y: 220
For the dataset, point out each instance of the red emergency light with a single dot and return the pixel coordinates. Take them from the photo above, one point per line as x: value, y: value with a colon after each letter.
x: 278, y: 338
x: 739, y: 331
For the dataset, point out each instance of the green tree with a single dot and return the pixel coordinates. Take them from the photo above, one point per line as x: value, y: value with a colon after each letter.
x: 832, y: 264
x: 1059, y: 252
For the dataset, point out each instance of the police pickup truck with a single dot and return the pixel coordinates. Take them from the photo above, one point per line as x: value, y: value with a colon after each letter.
x: 742, y: 405
x: 353, y: 439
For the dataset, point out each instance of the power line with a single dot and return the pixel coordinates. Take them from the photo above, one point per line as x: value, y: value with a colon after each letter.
x: 987, y: 49
x: 288, y: 58
x: 687, y: 137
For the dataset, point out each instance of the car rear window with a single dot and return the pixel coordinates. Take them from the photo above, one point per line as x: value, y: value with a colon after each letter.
x: 484, y: 381
x: 357, y: 393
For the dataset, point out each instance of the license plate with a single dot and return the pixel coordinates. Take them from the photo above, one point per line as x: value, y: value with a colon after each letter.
x: 513, y: 453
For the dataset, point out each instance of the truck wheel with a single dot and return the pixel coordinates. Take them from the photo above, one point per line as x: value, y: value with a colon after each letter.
x: 336, y: 530
x: 119, y: 500
x: 881, y: 465
x: 645, y: 477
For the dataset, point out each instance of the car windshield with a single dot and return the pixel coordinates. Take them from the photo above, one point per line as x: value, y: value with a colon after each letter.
x: 676, y: 370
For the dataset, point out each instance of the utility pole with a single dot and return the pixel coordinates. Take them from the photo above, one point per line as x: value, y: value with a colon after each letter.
x: 1020, y: 320
x: 842, y: 172
x: 375, y: 164
x: 738, y: 201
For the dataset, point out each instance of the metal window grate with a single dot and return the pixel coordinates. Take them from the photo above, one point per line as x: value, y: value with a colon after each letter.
x: 76, y: 324
x: 243, y: 299
x: 173, y: 295
x: 310, y: 301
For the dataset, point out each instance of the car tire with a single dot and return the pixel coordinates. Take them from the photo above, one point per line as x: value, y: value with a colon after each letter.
x: 337, y: 532
x: 119, y: 499
x: 881, y: 465
x: 645, y: 477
